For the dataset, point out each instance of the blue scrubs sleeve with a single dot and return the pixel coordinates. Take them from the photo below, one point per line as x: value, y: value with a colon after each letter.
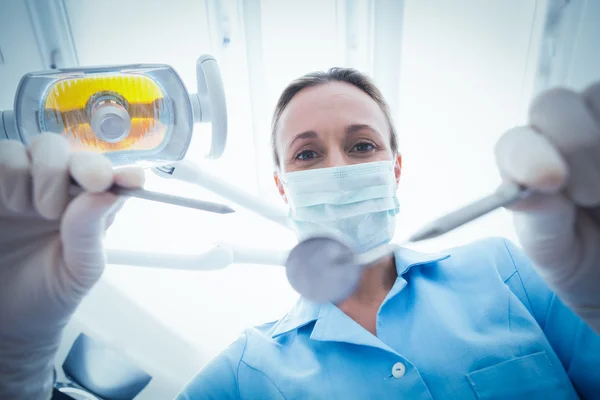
x: 575, y: 343
x: 219, y: 379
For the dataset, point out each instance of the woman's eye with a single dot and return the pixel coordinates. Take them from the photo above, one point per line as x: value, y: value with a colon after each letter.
x: 361, y: 147
x: 306, y: 155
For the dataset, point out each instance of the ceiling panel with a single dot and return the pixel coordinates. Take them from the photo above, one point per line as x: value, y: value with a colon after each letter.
x: 584, y: 67
x: 141, y: 31
x: 298, y: 37
x: 462, y: 76
x: 19, y: 49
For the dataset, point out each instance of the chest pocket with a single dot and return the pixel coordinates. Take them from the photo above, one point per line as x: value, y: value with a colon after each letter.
x: 529, y: 377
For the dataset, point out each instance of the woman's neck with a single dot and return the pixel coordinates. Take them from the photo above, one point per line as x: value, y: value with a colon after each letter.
x: 375, y: 284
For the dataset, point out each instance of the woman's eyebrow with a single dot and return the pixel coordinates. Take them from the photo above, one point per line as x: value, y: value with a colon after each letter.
x: 355, y: 128
x: 303, y: 135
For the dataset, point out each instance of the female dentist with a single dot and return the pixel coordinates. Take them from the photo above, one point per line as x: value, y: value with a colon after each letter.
x: 480, y: 321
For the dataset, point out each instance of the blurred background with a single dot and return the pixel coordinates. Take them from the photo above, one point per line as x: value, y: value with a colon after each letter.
x: 457, y: 74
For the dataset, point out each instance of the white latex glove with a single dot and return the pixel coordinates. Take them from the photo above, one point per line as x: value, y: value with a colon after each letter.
x: 51, y: 252
x: 559, y: 154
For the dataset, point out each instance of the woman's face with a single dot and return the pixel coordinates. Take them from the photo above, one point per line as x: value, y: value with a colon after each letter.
x: 332, y: 125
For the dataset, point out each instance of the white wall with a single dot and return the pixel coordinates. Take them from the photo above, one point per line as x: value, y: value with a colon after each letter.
x: 18, y: 47
x: 462, y: 75
x: 584, y: 67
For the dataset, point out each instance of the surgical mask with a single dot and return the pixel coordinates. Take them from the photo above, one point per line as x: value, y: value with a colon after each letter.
x: 357, y: 201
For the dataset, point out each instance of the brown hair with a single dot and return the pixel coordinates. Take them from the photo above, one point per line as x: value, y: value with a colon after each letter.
x: 347, y: 75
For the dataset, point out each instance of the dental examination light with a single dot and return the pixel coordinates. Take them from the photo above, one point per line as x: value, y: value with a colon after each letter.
x: 134, y: 114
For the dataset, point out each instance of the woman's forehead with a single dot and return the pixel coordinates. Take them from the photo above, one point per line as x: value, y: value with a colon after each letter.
x: 330, y: 104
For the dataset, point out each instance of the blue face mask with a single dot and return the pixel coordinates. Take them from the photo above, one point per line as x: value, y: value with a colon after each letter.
x: 359, y: 201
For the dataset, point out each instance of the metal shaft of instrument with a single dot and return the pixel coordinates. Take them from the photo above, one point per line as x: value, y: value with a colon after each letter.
x: 218, y: 208
x: 501, y: 198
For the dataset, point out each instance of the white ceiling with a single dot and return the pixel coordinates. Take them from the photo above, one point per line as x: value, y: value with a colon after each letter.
x: 18, y: 47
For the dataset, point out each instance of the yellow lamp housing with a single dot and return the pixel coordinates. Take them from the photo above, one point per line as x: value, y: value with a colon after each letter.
x: 108, y: 113
x: 131, y: 114
x: 134, y: 114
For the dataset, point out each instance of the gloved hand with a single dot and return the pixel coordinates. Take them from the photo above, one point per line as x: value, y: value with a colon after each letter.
x: 559, y: 155
x: 51, y: 252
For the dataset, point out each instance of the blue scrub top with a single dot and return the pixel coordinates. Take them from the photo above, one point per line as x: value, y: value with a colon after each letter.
x: 474, y: 323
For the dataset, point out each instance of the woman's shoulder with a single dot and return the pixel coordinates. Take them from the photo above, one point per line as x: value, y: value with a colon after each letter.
x: 488, y: 255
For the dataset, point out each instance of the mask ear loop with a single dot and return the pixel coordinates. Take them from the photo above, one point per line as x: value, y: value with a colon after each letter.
x: 398, y: 165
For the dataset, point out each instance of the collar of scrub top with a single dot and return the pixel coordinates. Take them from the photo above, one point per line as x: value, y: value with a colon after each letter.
x: 306, y: 311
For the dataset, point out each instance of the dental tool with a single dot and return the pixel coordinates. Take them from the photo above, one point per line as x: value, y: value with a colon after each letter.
x: 324, y: 269
x: 187, y: 171
x: 165, y: 198
x: 504, y: 196
x: 219, y: 257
